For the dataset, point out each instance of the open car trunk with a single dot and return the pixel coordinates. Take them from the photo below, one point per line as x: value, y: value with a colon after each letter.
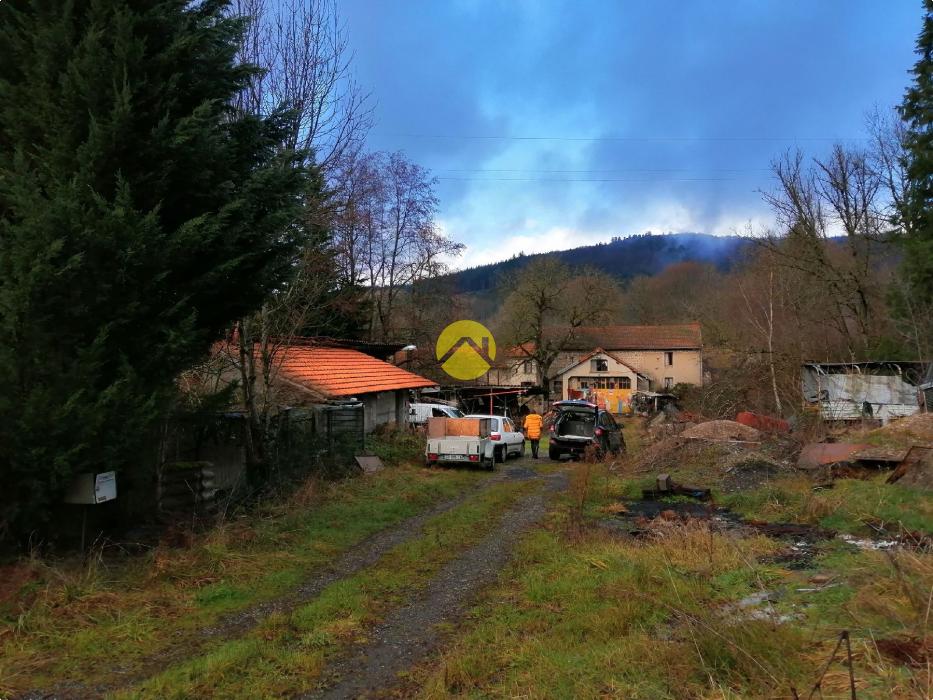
x: 576, y: 425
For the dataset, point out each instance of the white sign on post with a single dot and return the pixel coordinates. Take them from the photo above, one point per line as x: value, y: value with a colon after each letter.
x: 89, y: 488
x: 105, y: 487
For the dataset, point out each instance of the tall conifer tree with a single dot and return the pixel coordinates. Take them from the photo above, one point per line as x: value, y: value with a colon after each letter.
x: 139, y: 215
x: 917, y: 111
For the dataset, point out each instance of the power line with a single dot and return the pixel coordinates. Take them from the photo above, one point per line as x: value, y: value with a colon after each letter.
x: 490, y: 137
x: 608, y: 170
x: 630, y: 180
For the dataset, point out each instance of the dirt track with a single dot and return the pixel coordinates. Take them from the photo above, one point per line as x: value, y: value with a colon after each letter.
x: 400, y: 640
x: 411, y: 632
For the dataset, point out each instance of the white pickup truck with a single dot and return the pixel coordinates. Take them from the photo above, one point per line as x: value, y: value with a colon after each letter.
x: 460, y: 441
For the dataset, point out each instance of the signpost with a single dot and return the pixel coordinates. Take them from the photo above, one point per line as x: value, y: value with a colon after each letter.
x: 90, y: 489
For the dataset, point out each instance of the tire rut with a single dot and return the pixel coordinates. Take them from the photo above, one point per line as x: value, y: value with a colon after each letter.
x: 411, y: 632
x: 361, y: 556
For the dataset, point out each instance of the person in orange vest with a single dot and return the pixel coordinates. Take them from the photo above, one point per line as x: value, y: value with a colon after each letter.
x: 532, y: 425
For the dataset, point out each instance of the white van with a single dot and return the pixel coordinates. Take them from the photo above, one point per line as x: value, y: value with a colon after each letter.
x: 418, y: 413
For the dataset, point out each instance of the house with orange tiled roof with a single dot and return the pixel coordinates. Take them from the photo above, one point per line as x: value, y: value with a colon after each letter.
x: 329, y: 373
x: 314, y: 372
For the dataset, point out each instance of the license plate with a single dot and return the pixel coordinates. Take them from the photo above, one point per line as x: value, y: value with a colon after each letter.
x: 455, y: 458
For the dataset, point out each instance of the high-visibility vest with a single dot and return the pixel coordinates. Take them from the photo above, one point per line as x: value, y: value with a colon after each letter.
x: 533, y: 424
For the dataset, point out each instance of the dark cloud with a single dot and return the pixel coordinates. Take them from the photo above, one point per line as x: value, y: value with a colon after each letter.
x: 690, y: 101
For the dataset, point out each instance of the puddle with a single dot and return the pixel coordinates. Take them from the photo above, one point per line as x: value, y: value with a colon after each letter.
x: 801, y: 540
x: 519, y: 473
x: 868, y: 544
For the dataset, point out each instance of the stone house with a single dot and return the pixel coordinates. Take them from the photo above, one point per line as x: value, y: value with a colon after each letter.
x: 601, y: 377
x: 664, y: 355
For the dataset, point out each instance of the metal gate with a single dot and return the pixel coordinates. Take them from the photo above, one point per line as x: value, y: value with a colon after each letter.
x: 345, y: 426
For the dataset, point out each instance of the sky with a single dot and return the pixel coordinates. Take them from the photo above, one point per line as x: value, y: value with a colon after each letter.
x: 552, y: 124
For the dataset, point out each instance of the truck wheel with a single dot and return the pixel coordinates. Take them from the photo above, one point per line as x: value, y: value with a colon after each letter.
x: 553, y: 454
x: 489, y: 464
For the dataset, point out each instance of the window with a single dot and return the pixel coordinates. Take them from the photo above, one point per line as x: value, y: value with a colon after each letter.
x: 668, y: 382
x: 556, y: 386
x: 599, y: 365
x: 509, y: 427
x: 668, y: 359
x: 626, y: 383
x: 584, y: 384
x: 438, y: 413
x: 527, y: 367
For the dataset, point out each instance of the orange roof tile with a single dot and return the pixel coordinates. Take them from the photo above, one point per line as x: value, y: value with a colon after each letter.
x: 335, y: 372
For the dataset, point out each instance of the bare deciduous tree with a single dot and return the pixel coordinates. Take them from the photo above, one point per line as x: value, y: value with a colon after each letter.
x: 545, y: 308
x: 386, y: 233
x: 836, y: 197
x: 302, y: 48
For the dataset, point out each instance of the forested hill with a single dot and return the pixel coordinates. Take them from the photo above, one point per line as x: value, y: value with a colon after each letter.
x: 644, y: 254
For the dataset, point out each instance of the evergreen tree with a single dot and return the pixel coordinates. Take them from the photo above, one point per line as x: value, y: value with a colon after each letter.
x: 917, y: 112
x: 139, y: 215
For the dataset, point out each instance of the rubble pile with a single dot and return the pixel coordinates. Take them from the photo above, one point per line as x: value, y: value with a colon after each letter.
x: 916, y: 428
x: 722, y: 430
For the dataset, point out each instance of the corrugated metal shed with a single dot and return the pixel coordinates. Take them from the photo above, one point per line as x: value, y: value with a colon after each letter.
x: 851, y: 391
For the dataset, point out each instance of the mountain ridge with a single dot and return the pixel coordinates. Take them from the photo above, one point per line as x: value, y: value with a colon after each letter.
x: 623, y: 257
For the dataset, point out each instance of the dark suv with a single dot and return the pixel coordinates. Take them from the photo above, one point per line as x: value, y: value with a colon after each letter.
x: 575, y: 425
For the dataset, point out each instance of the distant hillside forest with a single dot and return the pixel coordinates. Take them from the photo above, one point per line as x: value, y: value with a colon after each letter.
x: 645, y: 254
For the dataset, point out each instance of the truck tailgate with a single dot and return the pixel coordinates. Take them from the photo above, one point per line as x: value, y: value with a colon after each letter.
x: 456, y: 449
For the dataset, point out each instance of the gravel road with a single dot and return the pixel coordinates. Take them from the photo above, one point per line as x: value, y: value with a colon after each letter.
x: 400, y: 640
x: 359, y: 557
x: 411, y: 632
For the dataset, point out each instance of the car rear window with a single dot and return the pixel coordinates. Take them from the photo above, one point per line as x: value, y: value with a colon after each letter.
x: 577, y: 409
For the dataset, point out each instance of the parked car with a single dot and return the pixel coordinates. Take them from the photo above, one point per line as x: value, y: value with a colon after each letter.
x: 576, y: 425
x: 507, y: 439
x: 418, y: 413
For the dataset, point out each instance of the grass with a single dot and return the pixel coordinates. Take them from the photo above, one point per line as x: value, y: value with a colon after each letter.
x: 580, y: 612
x: 286, y: 653
x: 604, y: 618
x: 846, y: 507
x: 585, y: 613
x: 69, y: 621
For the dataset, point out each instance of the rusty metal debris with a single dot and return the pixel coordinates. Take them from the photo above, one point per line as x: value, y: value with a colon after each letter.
x: 821, y: 454
x: 914, y: 459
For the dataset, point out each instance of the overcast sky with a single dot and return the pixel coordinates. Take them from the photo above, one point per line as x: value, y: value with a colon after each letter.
x: 552, y: 124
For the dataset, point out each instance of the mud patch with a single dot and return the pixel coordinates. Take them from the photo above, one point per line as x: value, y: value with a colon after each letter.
x: 750, y: 471
x: 911, y: 651
x: 520, y: 473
